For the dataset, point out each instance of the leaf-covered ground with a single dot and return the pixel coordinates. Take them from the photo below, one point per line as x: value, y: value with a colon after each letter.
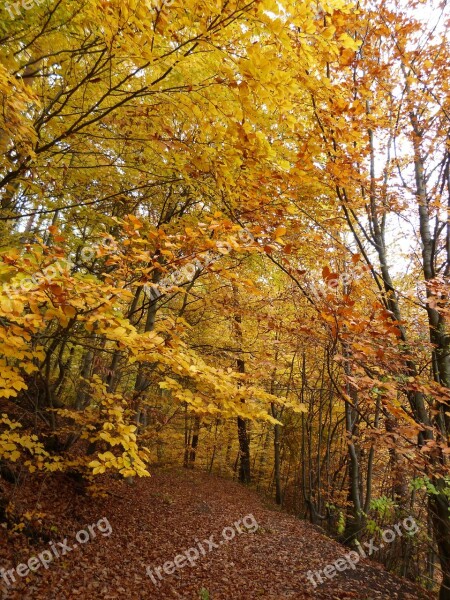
x: 159, y: 518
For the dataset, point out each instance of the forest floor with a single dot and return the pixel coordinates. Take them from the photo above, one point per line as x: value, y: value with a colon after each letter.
x: 173, y: 513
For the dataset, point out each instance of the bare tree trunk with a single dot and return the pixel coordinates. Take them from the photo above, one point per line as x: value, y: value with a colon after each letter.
x: 276, y: 449
x: 194, y: 442
x: 354, y: 521
x: 244, y: 443
x: 439, y: 504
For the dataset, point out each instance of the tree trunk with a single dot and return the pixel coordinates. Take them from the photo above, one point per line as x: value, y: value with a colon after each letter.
x: 243, y: 437
x: 194, y: 443
x: 439, y: 508
x: 354, y: 521
x: 276, y: 449
x: 244, y: 449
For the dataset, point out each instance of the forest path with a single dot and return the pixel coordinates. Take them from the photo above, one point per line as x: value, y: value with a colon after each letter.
x: 172, y: 513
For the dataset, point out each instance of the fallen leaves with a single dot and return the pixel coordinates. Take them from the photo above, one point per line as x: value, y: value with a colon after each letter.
x: 158, y: 518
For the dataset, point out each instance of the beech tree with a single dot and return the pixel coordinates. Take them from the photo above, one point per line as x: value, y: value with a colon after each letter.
x: 226, y: 245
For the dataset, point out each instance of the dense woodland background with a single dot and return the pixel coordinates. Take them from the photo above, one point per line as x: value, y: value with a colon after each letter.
x: 226, y: 245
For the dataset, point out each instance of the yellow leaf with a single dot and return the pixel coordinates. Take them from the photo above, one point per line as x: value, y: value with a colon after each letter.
x: 348, y: 42
x: 280, y: 231
x: 70, y: 311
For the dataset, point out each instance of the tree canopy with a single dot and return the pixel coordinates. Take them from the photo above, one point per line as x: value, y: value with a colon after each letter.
x: 225, y: 242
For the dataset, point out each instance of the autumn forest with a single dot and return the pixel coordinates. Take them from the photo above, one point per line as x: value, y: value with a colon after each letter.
x: 224, y: 269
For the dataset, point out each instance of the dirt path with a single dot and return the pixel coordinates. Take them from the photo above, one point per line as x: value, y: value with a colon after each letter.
x: 261, y: 555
